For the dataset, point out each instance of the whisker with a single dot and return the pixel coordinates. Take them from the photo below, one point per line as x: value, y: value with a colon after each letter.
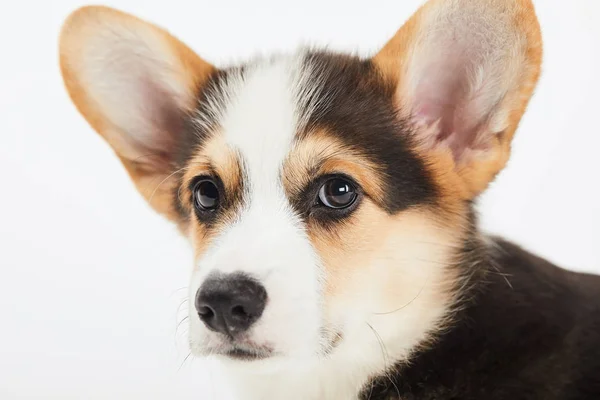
x: 178, y: 290
x: 163, y: 181
x: 135, y: 160
x: 184, y: 360
x: 407, y: 304
x: 381, y: 345
x: 385, y: 357
x: 179, y: 193
x: 182, y: 303
x: 181, y: 322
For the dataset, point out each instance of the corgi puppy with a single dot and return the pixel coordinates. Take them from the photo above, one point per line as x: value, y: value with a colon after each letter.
x: 329, y: 202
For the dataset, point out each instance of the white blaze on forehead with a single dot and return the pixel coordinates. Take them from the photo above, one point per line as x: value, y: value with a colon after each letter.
x: 259, y: 115
x: 260, y: 122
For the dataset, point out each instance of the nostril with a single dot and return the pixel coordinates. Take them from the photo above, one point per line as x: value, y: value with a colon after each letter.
x: 239, y: 311
x: 206, y: 312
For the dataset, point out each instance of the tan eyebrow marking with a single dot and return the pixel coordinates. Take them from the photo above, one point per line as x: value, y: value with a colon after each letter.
x: 215, y: 157
x: 320, y: 153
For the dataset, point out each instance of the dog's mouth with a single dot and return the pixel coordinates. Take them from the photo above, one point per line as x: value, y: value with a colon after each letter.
x: 241, y: 350
x: 245, y: 349
x: 243, y: 354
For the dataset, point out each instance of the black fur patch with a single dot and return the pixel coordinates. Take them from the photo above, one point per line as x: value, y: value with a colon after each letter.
x: 356, y: 105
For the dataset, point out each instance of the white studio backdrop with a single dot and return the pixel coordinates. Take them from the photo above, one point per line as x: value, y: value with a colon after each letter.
x: 91, y: 279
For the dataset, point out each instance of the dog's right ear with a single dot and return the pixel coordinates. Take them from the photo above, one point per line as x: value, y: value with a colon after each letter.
x: 464, y: 72
x: 133, y: 82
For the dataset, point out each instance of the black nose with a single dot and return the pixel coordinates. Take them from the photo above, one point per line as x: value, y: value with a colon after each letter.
x: 231, y: 303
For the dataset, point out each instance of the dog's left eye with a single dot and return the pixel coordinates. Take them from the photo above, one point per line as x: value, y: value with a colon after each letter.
x: 337, y: 193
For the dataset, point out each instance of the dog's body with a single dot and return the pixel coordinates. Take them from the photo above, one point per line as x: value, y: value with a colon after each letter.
x: 329, y: 202
x: 530, y: 330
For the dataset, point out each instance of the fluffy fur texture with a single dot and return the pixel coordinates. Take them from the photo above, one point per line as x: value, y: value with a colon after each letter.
x: 395, y: 296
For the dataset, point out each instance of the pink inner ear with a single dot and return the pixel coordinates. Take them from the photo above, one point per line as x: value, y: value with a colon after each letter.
x: 165, y: 122
x: 444, y: 99
x: 141, y: 101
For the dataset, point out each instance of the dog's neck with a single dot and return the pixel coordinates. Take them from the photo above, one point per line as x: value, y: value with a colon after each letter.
x: 320, y: 380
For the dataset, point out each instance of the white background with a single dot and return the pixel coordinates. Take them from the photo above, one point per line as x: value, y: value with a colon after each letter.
x: 90, y: 276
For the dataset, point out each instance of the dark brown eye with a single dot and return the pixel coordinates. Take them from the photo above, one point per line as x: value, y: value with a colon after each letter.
x: 206, y: 195
x: 337, y: 193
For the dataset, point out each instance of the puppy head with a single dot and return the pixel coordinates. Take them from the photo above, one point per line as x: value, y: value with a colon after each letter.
x: 327, y: 197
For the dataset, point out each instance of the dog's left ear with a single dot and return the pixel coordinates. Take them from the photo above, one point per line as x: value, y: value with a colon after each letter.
x: 464, y: 71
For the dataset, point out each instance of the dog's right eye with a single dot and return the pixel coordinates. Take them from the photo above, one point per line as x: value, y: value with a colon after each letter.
x: 206, y: 195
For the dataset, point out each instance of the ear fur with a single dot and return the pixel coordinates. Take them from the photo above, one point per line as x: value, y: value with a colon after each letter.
x: 133, y: 82
x: 464, y: 72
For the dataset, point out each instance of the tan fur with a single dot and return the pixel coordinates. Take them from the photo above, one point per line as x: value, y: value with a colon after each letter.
x: 514, y: 23
x: 93, y: 27
x: 215, y: 157
x: 319, y: 154
x: 398, y: 272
